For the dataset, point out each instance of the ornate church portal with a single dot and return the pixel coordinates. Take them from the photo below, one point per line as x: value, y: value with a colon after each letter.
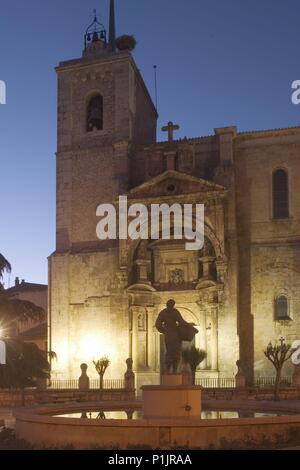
x: 163, y: 269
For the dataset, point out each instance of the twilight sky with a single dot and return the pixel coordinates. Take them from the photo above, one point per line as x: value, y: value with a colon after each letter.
x: 220, y: 62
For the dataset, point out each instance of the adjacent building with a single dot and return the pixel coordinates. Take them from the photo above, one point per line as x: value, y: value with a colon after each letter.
x: 31, y: 330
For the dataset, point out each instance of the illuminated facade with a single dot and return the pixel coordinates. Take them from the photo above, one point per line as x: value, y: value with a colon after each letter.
x: 242, y: 289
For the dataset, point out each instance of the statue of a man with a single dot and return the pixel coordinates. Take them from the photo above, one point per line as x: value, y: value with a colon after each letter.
x: 175, y: 330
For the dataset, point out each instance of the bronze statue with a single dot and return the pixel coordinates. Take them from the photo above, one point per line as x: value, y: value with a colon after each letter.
x: 175, y: 330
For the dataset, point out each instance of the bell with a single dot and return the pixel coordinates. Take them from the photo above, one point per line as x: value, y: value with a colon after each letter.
x: 95, y: 37
x: 88, y: 38
x: 95, y: 114
x: 102, y: 35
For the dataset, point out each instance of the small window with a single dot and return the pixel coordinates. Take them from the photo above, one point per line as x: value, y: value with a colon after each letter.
x: 95, y: 114
x: 282, y: 308
x: 280, y: 195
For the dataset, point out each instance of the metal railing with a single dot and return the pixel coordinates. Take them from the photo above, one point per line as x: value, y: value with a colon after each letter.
x: 72, y: 384
x: 216, y: 382
x: 205, y: 382
x: 265, y: 382
x: 260, y: 382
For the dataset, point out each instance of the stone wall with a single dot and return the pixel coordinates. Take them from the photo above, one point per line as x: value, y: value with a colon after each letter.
x: 10, y: 398
x: 13, y: 398
x: 89, y: 314
x: 269, y: 249
x: 250, y: 393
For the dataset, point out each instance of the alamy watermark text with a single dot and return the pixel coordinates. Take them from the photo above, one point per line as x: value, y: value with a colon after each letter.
x: 159, y: 222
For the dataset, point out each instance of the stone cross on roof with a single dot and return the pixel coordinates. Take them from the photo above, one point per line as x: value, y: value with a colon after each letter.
x: 170, y: 128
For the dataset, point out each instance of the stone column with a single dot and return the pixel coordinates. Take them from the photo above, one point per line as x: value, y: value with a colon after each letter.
x: 156, y: 267
x: 221, y: 266
x: 206, y: 262
x: 142, y: 268
x: 202, y: 336
x: 214, y: 340
x: 156, y: 351
x: 208, y: 331
x: 150, y: 339
x: 135, y: 311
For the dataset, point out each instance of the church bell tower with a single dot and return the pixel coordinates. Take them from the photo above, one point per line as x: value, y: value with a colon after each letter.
x: 104, y: 112
x: 104, y: 108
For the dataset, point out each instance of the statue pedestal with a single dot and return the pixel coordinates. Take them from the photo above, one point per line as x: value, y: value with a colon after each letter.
x: 240, y: 381
x: 171, y: 399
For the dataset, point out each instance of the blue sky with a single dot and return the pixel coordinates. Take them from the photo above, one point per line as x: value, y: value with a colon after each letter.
x: 220, y: 62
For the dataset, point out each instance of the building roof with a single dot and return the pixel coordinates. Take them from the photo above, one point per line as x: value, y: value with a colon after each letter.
x: 26, y: 287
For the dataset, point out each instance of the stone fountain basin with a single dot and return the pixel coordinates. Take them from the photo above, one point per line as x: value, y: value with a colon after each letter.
x: 42, y: 429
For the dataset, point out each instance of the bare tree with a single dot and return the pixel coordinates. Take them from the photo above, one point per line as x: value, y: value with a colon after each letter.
x: 278, y: 355
x: 101, y: 365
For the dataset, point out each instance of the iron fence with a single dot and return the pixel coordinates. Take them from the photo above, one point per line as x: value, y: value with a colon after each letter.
x: 260, y: 382
x: 265, y: 382
x: 205, y: 382
x: 216, y: 382
x: 108, y: 384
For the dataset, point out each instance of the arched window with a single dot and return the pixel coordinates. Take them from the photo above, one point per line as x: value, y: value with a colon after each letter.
x: 280, y: 194
x: 282, y: 308
x: 95, y: 113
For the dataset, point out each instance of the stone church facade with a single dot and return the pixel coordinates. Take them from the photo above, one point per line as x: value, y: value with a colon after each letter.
x: 242, y: 289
